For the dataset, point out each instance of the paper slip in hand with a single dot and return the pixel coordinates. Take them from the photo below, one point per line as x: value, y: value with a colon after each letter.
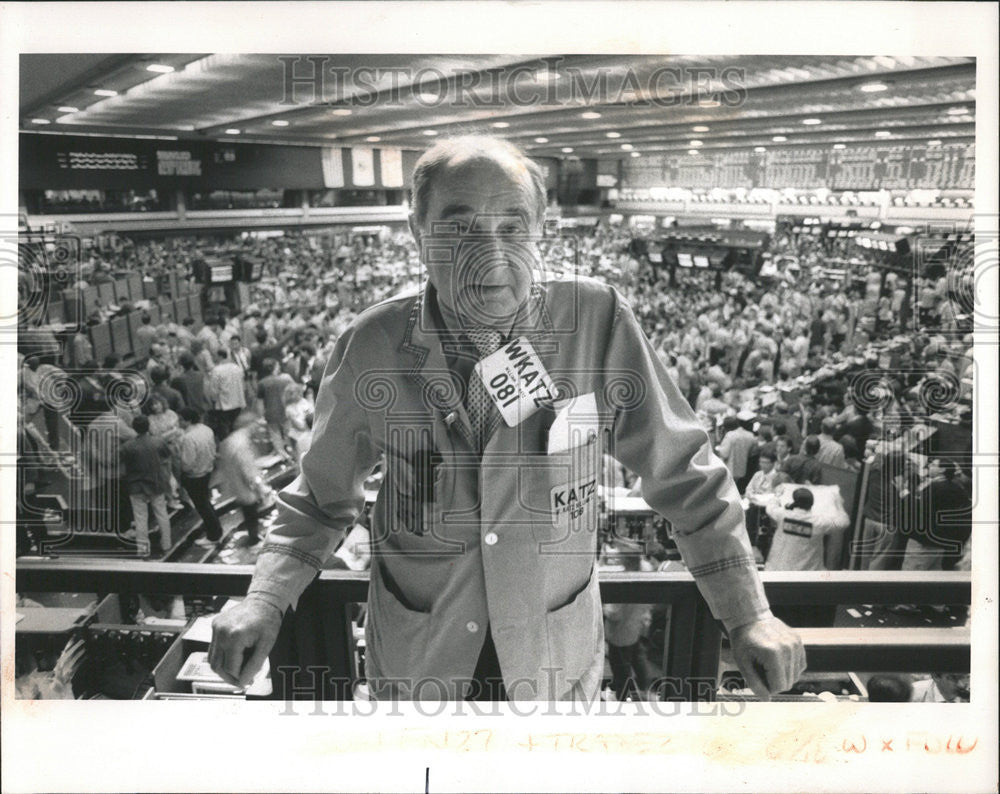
x: 516, y: 381
x: 576, y: 423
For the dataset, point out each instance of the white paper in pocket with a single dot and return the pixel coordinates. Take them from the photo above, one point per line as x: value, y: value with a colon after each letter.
x: 576, y: 423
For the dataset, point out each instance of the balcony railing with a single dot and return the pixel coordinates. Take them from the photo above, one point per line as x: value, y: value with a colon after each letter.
x: 316, y: 644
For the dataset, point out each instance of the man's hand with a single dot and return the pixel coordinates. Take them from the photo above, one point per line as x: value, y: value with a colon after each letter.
x: 242, y: 637
x: 770, y: 656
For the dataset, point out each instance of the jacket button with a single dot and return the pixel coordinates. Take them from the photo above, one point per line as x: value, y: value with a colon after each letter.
x: 491, y: 538
x: 472, y: 626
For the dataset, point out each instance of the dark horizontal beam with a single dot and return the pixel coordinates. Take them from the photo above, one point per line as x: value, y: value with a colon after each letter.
x: 785, y: 588
x: 879, y: 650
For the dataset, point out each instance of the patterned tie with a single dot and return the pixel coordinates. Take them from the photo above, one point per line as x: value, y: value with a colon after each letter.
x: 478, y: 402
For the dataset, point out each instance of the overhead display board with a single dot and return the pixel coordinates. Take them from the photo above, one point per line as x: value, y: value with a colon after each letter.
x: 855, y: 167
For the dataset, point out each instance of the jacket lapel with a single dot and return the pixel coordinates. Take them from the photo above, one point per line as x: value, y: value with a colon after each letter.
x: 423, y: 340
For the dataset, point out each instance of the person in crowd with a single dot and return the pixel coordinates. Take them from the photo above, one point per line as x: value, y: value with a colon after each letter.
x: 942, y: 688
x: 889, y: 689
x: 185, y: 332
x: 852, y: 453
x: 197, y: 452
x: 145, y: 461
x: 298, y: 409
x: 209, y: 335
x: 490, y: 186
x: 830, y: 451
x: 190, y: 384
x: 945, y: 520
x: 203, y: 357
x: 768, y: 477
x: 799, y: 532
x: 241, y: 357
x: 735, y: 448
x: 164, y: 424
x: 83, y: 350
x: 890, y: 485
x: 713, y: 404
x: 173, y: 397
x: 238, y: 474
x: 804, y: 467
x: 271, y: 403
x: 225, y: 389
x: 145, y: 335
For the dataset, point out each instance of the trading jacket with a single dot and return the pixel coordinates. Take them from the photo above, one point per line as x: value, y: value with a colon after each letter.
x: 508, y: 540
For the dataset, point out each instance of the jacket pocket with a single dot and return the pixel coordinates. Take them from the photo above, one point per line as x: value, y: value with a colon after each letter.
x: 576, y: 634
x: 396, y: 635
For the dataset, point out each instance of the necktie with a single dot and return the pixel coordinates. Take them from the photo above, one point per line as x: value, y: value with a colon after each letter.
x: 478, y: 402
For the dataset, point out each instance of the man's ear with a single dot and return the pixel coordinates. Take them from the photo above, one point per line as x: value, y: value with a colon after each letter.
x: 414, y: 230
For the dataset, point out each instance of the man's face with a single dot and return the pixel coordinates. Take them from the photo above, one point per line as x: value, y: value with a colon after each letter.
x: 476, y: 240
x: 952, y: 685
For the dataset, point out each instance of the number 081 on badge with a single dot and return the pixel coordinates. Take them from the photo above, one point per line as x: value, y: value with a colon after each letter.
x: 516, y: 381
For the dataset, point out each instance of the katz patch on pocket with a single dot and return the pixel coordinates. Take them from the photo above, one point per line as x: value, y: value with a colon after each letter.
x: 573, y: 500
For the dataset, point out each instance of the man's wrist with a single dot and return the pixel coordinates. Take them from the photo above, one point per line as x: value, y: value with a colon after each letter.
x: 742, y: 623
x: 269, y: 600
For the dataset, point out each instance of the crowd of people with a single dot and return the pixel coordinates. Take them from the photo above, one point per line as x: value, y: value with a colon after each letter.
x: 726, y: 340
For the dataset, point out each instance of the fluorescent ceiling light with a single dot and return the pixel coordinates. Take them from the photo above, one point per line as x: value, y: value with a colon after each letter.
x: 279, y: 123
x: 373, y: 139
x: 159, y: 68
x: 541, y: 140
x: 779, y: 139
x: 612, y: 135
x: 232, y: 131
x: 68, y: 109
x: 105, y: 92
x: 590, y: 114
x: 342, y: 112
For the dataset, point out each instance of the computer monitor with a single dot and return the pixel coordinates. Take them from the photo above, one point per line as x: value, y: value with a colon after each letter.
x: 701, y: 261
x: 684, y: 260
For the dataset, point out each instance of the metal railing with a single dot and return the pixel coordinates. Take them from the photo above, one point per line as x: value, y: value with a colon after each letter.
x: 315, y: 649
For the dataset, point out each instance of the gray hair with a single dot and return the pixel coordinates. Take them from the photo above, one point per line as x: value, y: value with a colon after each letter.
x: 439, y: 157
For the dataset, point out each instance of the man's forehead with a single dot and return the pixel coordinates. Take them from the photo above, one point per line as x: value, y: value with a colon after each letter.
x: 483, y: 178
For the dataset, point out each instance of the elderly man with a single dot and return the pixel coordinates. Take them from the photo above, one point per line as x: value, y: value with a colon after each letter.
x: 491, y: 394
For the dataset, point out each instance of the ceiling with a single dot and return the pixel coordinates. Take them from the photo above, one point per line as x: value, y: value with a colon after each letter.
x: 633, y: 104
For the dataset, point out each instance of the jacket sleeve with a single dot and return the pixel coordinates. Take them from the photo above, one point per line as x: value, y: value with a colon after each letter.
x: 323, y: 501
x: 657, y: 435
